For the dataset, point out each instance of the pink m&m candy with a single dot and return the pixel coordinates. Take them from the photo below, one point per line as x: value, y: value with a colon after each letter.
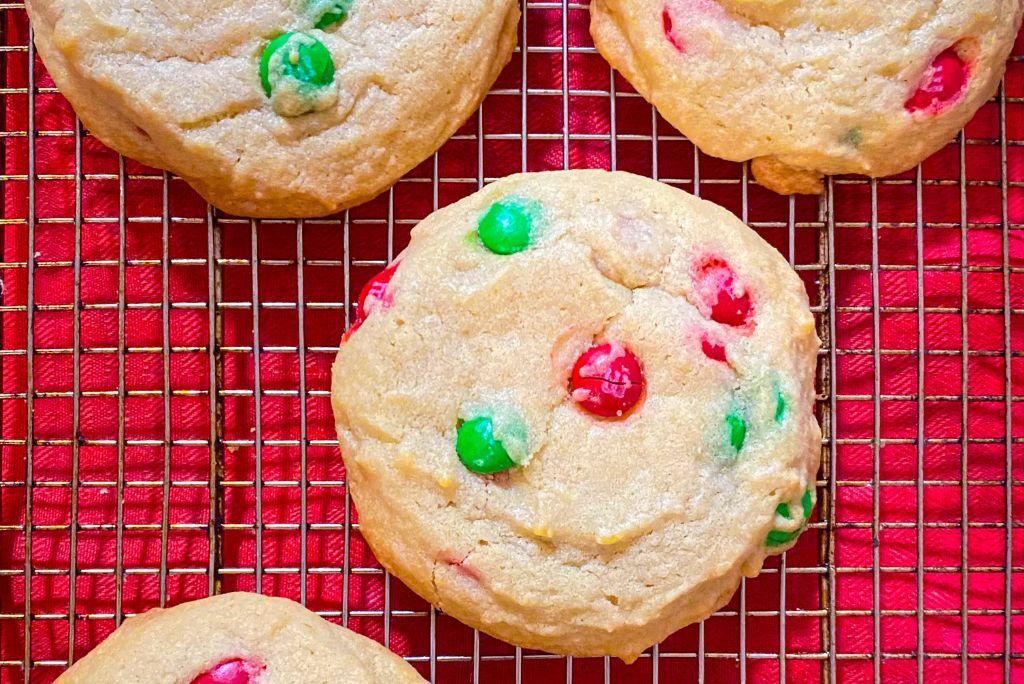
x: 235, y: 671
x: 943, y: 83
x: 607, y: 380
x: 724, y: 297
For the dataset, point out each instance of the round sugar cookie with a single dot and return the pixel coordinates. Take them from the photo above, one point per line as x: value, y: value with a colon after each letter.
x: 274, y: 108
x: 237, y: 638
x: 578, y: 408
x: 812, y: 87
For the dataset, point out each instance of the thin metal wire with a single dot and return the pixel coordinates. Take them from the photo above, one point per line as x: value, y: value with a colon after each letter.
x: 825, y: 377
x: 76, y: 402
x: 830, y: 504
x: 964, y: 409
x: 1007, y: 383
x: 165, y: 321
x: 257, y: 402
x: 876, y: 433
x: 216, y: 406
x: 828, y: 307
x: 300, y: 260
x: 30, y: 356
x: 121, y: 344
x: 919, y: 513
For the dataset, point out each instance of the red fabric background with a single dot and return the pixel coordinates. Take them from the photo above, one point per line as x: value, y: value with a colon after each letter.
x: 829, y: 578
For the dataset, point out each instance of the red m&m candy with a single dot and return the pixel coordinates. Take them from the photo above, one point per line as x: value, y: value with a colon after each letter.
x: 713, y: 349
x: 723, y: 296
x: 235, y: 671
x: 689, y: 13
x: 607, y: 380
x: 666, y: 26
x: 943, y: 83
x: 374, y: 295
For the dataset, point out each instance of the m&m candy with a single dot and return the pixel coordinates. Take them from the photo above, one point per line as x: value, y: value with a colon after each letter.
x: 330, y: 13
x: 507, y: 227
x: 236, y: 671
x: 713, y: 349
x: 479, y: 449
x: 667, y: 28
x: 944, y: 82
x: 736, y: 429
x: 722, y: 296
x: 607, y: 380
x: 375, y: 295
x: 780, y: 537
x: 296, y: 71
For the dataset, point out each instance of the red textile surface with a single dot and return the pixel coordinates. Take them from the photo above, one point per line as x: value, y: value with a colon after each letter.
x: 830, y: 577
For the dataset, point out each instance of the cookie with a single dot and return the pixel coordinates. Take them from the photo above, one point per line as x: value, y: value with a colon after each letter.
x: 811, y: 87
x: 238, y: 638
x: 578, y: 409
x: 281, y: 108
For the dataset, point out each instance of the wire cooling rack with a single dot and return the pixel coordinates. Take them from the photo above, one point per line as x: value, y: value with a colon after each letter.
x: 166, y: 428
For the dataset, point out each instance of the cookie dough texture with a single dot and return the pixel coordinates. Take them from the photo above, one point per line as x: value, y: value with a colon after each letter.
x: 176, y: 645
x: 616, y: 533
x: 806, y: 87
x: 176, y: 85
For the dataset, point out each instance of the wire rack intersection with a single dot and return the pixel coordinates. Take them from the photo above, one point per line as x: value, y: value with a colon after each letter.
x: 166, y: 428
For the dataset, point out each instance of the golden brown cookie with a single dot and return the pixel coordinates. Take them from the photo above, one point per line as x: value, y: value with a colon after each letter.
x: 812, y: 87
x: 237, y: 638
x: 579, y: 408
x: 276, y: 107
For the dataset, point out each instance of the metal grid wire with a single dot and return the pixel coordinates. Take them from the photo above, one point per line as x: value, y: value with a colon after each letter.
x: 157, y: 356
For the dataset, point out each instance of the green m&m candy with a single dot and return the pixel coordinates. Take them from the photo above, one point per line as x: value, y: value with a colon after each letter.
x: 736, y: 429
x: 782, y: 537
x: 330, y: 12
x: 297, y: 56
x: 781, y: 407
x: 478, y: 448
x: 508, y: 225
x: 296, y: 71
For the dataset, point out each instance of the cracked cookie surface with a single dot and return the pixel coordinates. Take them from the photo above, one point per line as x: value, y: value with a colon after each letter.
x: 638, y: 476
x: 237, y: 638
x: 363, y: 91
x: 806, y: 88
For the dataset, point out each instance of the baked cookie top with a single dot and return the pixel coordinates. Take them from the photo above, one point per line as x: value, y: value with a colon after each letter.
x: 238, y: 638
x: 812, y: 87
x: 578, y: 408
x: 276, y: 107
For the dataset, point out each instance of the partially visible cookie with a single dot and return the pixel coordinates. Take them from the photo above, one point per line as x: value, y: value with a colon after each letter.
x: 812, y: 87
x: 579, y: 408
x: 276, y: 107
x: 238, y: 638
